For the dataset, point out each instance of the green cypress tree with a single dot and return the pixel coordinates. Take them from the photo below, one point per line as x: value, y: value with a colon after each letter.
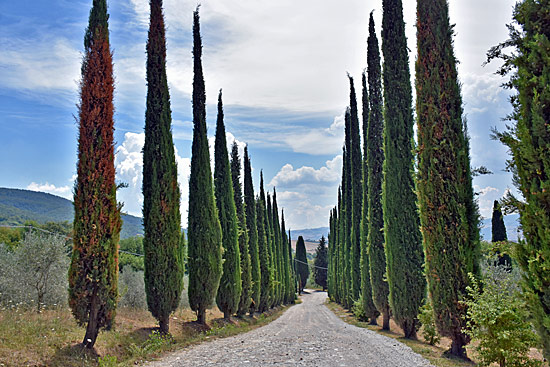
x: 321, y: 264
x: 250, y: 211
x: 287, y: 294
x: 447, y: 207
x: 293, y: 277
x: 302, y: 267
x: 341, y: 243
x: 375, y: 161
x: 404, y: 255
x: 330, y: 259
x: 264, y: 252
x: 366, y: 287
x: 356, y: 205
x: 498, y: 228
x: 347, y: 200
x: 272, y: 252
x: 278, y: 248
x: 204, y: 230
x: 246, y: 274
x: 529, y: 140
x: 93, y: 272
x: 161, y: 195
x: 229, y: 291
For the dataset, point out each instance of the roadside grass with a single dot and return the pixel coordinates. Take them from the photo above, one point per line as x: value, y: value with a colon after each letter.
x: 52, y: 338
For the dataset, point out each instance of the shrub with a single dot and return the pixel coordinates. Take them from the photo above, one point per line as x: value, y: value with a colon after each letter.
x: 358, y: 309
x: 497, y: 318
x: 131, y: 286
x: 426, y: 318
x: 35, y: 272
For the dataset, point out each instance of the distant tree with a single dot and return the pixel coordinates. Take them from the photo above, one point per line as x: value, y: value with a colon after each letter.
x: 288, y: 296
x: 302, y: 267
x: 264, y: 251
x: 93, y: 272
x: 293, y: 276
x: 245, y: 300
x: 229, y: 291
x: 161, y: 195
x: 204, y: 230
x: 272, y: 252
x: 446, y: 198
x: 346, y: 217
x: 404, y: 253
x: 497, y: 224
x: 374, y: 177
x: 528, y: 139
x: 250, y: 210
x: 279, y: 250
x: 366, y: 299
x: 321, y: 263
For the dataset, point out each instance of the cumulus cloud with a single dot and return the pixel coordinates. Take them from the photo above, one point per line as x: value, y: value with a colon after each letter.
x: 289, y: 177
x: 63, y: 191
x: 486, y: 197
x: 319, y: 141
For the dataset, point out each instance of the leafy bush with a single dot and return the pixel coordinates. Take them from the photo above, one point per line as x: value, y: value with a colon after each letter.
x: 358, y: 309
x: 498, y: 319
x: 427, y: 319
x: 156, y: 342
x: 35, y: 272
x: 131, y: 287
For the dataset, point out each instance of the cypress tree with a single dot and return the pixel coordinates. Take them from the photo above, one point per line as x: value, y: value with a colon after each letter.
x: 346, y: 215
x: 404, y: 255
x: 161, y: 196
x: 246, y: 274
x: 302, y: 267
x: 366, y: 287
x: 204, y: 230
x: 278, y: 250
x: 272, y: 252
x: 229, y: 291
x: 356, y: 169
x: 321, y: 264
x: 263, y: 249
x: 330, y: 274
x: 529, y: 139
x: 447, y: 207
x: 375, y: 161
x: 498, y: 232
x: 286, y: 261
x: 293, y: 277
x: 250, y: 211
x: 342, y: 243
x: 93, y: 272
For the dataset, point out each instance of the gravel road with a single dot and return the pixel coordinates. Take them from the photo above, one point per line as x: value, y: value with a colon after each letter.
x: 308, y: 334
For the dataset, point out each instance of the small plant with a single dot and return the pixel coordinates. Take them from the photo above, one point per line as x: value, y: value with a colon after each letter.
x: 358, y: 310
x: 156, y: 341
x: 426, y: 318
x: 498, y: 319
x: 107, y: 361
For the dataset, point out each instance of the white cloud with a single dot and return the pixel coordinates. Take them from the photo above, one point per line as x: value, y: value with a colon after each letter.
x: 63, y: 191
x: 486, y: 197
x: 290, y: 177
x: 319, y: 141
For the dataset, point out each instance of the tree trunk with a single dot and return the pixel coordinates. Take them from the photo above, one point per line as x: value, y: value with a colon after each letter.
x: 201, y: 316
x: 227, y: 315
x: 458, y: 346
x: 386, y: 320
x: 164, y: 324
x: 372, y: 321
x: 93, y: 328
x: 409, y: 329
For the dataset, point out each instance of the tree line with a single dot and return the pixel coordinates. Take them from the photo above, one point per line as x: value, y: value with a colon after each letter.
x: 239, y: 251
x: 405, y: 230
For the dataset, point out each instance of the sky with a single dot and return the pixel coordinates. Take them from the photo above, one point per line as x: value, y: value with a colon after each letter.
x: 283, y: 68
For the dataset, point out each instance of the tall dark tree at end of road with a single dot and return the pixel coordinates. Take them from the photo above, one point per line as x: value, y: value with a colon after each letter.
x: 246, y: 274
x: 302, y: 267
x: 374, y: 177
x: 321, y: 264
x: 93, y: 272
x: 229, y: 291
x: 161, y: 194
x: 498, y: 233
x: 356, y: 204
x: 204, y: 231
x: 250, y: 211
x: 447, y: 208
x: 366, y: 286
x: 404, y: 253
x: 528, y: 139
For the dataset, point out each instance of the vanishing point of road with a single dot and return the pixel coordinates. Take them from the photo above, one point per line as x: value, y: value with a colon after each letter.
x: 308, y: 334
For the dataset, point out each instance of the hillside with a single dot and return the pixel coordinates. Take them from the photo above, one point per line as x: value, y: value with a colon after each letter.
x: 18, y: 206
x: 311, y: 235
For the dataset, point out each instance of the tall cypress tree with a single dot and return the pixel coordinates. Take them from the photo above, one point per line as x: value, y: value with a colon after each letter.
x: 204, y: 230
x: 302, y: 267
x: 272, y: 252
x: 447, y: 207
x: 321, y: 264
x: 250, y: 211
x: 404, y: 255
x: 229, y: 291
x: 356, y: 205
x: 366, y: 287
x: 246, y: 274
x: 347, y: 200
x: 498, y: 229
x: 161, y: 195
x: 529, y: 140
x: 287, y: 295
x: 93, y: 272
x: 278, y: 249
x: 375, y: 161
x: 293, y: 277
x: 264, y: 252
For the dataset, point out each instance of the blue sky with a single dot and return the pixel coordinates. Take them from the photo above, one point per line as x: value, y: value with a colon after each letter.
x: 282, y: 66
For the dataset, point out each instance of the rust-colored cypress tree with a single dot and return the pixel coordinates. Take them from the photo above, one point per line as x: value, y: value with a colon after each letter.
x: 93, y: 274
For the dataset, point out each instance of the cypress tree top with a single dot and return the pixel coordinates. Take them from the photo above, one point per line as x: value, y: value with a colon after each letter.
x: 497, y: 222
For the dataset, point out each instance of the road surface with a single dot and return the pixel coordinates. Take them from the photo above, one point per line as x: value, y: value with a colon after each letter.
x: 308, y: 334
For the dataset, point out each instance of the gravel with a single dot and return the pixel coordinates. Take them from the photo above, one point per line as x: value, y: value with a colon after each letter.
x: 308, y: 334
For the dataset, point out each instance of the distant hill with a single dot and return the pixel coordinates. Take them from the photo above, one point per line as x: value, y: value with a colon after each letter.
x: 510, y: 221
x: 311, y: 235
x: 18, y: 206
